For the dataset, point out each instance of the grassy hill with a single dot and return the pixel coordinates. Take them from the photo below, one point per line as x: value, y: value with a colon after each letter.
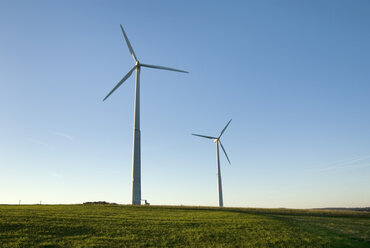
x: 164, y: 226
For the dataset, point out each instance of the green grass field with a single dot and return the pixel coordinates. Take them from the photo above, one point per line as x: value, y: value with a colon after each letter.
x: 160, y: 226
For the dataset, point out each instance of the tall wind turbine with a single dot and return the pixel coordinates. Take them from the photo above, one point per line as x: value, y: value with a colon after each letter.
x: 136, y: 156
x: 218, y: 142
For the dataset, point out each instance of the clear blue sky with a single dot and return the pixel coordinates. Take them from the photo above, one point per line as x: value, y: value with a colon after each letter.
x: 293, y: 75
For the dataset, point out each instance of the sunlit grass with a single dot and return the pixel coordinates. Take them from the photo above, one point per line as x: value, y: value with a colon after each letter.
x: 154, y: 226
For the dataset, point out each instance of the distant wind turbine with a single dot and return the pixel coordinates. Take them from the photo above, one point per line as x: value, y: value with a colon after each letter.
x: 218, y: 141
x: 136, y: 160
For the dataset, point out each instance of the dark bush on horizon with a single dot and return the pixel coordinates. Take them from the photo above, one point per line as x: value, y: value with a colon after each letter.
x: 98, y: 203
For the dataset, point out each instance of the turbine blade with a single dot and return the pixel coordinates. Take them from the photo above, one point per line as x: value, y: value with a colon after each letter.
x: 225, y: 152
x: 129, y: 44
x: 223, y: 130
x: 204, y: 136
x: 163, y: 68
x: 121, y: 82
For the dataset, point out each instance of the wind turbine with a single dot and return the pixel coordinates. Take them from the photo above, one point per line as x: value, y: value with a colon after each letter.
x: 218, y: 141
x: 136, y: 156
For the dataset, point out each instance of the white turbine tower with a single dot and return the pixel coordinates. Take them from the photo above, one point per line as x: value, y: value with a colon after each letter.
x: 218, y: 141
x: 136, y: 157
